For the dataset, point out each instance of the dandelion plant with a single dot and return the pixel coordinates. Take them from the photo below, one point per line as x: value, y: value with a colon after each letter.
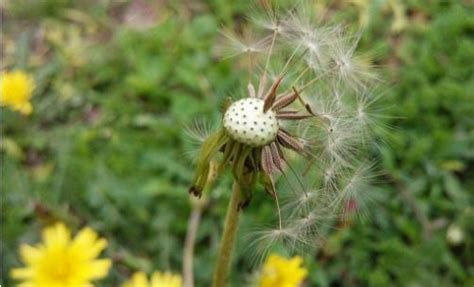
x: 306, y: 115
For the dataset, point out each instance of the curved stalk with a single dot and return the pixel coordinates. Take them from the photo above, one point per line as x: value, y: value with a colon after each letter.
x: 224, y: 259
x: 194, y: 219
x: 198, y: 206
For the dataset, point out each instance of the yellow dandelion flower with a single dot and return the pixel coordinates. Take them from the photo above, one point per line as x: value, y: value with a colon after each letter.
x: 282, y: 272
x: 158, y: 279
x: 17, y: 88
x: 61, y: 261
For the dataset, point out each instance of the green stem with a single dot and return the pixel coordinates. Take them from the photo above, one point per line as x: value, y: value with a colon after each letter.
x: 231, y: 223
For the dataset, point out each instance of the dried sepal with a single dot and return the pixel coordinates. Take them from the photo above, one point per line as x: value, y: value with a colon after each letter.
x: 209, y: 149
x: 284, y: 100
x: 290, y: 142
x: 270, y: 97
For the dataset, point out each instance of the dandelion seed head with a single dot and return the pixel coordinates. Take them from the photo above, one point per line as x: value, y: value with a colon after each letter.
x: 320, y: 87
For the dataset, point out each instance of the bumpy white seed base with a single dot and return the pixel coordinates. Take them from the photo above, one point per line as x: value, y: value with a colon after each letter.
x: 246, y: 122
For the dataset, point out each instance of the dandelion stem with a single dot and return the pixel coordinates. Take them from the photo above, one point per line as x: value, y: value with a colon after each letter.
x: 224, y: 258
x: 193, y: 224
x: 198, y: 206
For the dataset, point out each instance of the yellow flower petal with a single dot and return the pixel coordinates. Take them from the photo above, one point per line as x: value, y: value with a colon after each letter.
x: 30, y: 254
x: 158, y: 279
x: 60, y: 261
x: 56, y: 236
x: 99, y: 268
x: 166, y: 279
x: 138, y: 279
x: 26, y: 108
x: 280, y: 272
x: 21, y: 273
x: 87, y: 242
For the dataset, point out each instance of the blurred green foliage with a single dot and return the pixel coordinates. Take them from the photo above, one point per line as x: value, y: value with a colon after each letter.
x: 106, y: 144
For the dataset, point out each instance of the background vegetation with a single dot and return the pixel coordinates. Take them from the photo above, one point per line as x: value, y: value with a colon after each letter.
x: 105, y: 146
